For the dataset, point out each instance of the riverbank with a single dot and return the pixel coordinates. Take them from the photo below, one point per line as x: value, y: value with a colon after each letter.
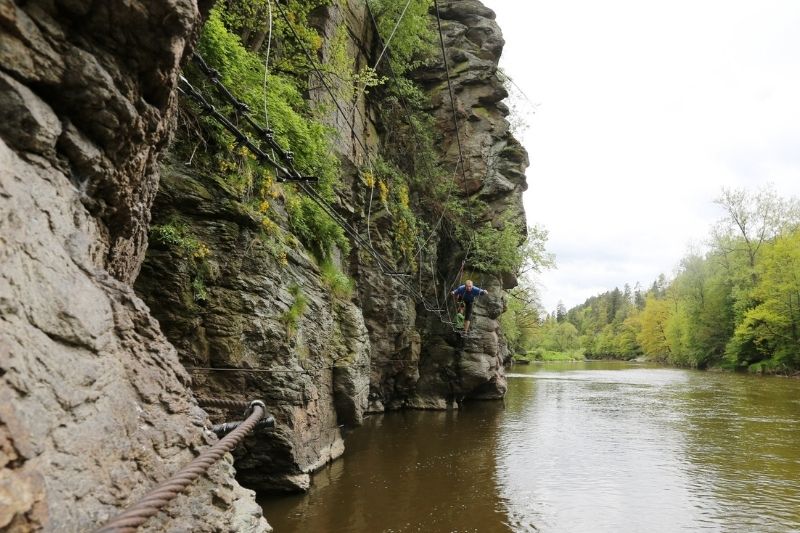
x: 540, y: 355
x: 575, y: 356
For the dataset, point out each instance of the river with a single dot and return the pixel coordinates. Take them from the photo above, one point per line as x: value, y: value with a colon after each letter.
x: 575, y: 447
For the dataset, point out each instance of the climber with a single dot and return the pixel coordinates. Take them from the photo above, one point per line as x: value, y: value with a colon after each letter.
x: 468, y: 292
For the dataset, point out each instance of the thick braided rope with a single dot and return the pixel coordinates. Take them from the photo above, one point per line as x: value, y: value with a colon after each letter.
x: 136, y: 515
x: 228, y: 404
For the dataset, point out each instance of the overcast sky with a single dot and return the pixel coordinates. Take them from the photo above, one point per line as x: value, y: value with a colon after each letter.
x: 644, y: 111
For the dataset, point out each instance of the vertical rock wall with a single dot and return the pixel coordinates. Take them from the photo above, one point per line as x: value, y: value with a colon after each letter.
x: 314, y: 372
x: 94, y: 406
x: 493, y: 182
x: 378, y: 349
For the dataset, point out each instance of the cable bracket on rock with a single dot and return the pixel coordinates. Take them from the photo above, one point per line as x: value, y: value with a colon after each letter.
x: 156, y: 499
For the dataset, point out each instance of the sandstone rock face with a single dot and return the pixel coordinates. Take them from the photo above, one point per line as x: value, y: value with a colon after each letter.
x: 95, y: 407
x: 378, y: 349
x: 416, y: 360
x: 388, y: 309
x: 493, y: 183
x: 313, y: 374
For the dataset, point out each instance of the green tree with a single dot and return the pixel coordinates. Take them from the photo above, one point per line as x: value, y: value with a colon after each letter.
x: 756, y: 218
x: 752, y: 219
x: 771, y: 330
x: 520, y: 321
x: 639, y: 298
x: 561, y: 337
x: 626, y: 342
x: 510, y: 248
x: 653, y: 333
x: 737, y: 304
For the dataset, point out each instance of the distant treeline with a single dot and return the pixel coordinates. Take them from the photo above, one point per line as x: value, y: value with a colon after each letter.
x: 736, y: 305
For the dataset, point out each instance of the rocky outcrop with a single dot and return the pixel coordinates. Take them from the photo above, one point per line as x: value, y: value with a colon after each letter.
x: 493, y: 183
x: 96, y: 397
x: 95, y: 407
x: 378, y: 348
x: 417, y: 361
x: 389, y: 309
x: 311, y: 371
x: 314, y: 370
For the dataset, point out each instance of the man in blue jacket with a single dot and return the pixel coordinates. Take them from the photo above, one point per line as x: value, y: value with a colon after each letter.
x: 468, y: 292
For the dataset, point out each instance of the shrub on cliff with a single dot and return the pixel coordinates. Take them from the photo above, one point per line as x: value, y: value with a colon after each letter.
x: 277, y: 102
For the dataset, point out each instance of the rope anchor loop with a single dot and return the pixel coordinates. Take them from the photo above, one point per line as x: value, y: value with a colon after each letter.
x: 253, y: 405
x: 157, y: 498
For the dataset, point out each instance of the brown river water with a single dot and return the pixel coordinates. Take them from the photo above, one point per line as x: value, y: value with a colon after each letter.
x: 575, y: 447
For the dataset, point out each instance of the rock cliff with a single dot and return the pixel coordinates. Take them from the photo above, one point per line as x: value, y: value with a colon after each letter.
x: 97, y: 389
x: 494, y: 174
x: 374, y: 350
x: 95, y: 406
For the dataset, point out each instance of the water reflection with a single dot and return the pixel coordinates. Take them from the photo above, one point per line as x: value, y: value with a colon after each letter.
x: 599, y: 447
x: 745, y: 452
x: 410, y: 471
x: 577, y: 447
x: 597, y: 453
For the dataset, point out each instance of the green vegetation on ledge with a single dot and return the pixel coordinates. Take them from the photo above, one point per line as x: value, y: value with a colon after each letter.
x: 405, y: 184
x: 194, y: 253
x: 227, y: 44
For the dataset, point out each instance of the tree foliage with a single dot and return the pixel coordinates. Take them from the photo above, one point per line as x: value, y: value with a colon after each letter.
x: 737, y: 305
x: 521, y: 321
x: 771, y: 329
x: 412, y: 37
x: 226, y: 43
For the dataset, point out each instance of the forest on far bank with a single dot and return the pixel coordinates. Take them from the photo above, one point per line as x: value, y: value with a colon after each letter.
x: 735, y: 305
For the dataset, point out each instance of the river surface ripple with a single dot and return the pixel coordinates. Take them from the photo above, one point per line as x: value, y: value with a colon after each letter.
x: 575, y: 447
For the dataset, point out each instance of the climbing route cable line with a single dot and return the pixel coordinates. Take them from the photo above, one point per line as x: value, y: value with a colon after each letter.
x: 266, y: 62
x: 460, y: 164
x: 268, y: 136
x: 461, y: 159
x: 455, y: 115
x: 404, y: 104
x: 327, y: 85
x: 157, y: 498
x: 291, y: 174
x: 415, y: 132
x: 287, y: 172
x: 283, y: 173
x: 388, y: 41
x: 290, y: 370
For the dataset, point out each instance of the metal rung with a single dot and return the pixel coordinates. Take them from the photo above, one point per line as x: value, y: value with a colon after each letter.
x: 305, y: 179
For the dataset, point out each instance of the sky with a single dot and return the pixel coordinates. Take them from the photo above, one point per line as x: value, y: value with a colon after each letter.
x: 638, y: 112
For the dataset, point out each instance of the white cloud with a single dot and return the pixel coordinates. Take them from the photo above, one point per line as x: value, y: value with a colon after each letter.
x: 647, y: 109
